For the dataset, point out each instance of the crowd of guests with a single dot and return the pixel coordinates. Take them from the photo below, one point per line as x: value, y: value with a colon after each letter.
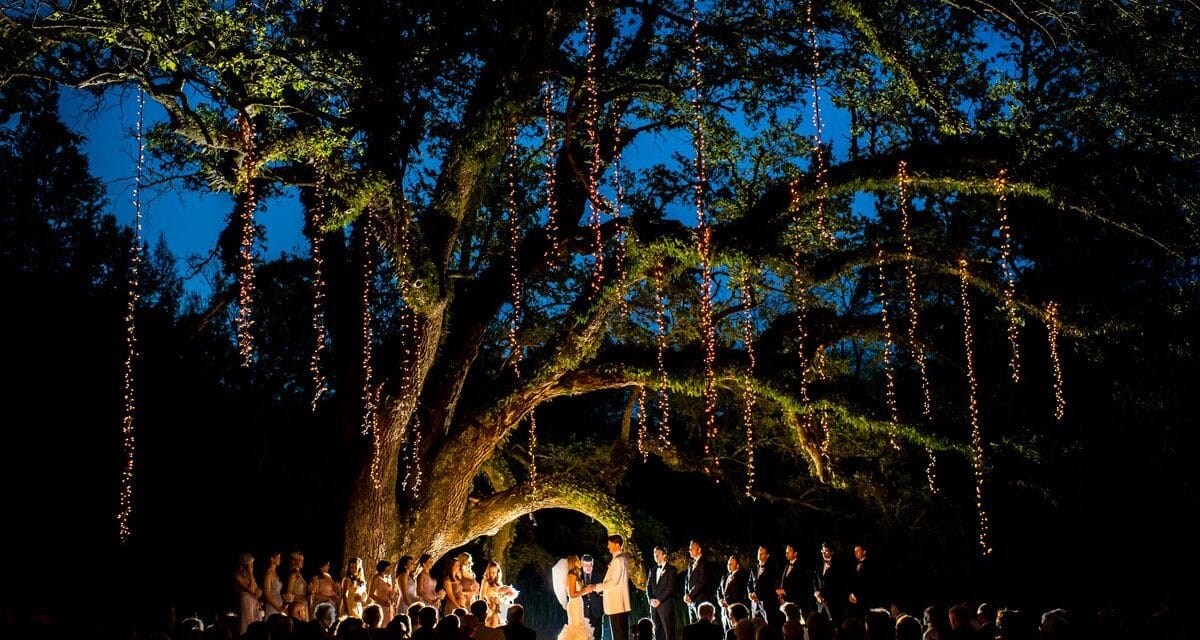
x: 392, y: 598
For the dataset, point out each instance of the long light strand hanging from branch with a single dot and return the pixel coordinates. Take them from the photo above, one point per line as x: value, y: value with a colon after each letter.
x: 916, y: 349
x: 316, y: 223
x: 244, y: 320
x: 514, y: 280
x: 411, y: 342
x: 820, y: 162
x: 551, y: 176
x: 977, y: 460
x: 889, y: 353
x: 1053, y: 325
x: 643, y: 429
x: 658, y: 276
x: 749, y: 397
x: 369, y: 391
x: 128, y: 441
x: 591, y: 117
x: 704, y: 233
x: 621, y: 232
x: 1010, y: 277
x: 798, y: 292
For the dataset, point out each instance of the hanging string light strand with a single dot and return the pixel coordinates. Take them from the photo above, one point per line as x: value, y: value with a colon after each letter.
x: 1010, y: 277
x: 977, y: 461
x: 749, y: 397
x: 369, y: 391
x: 658, y: 276
x: 128, y: 441
x: 704, y: 233
x: 1053, y: 326
x: 820, y: 161
x: 591, y: 120
x: 316, y: 223
x: 551, y: 177
x: 515, y: 293
x: 916, y: 349
x: 889, y: 353
x: 244, y: 320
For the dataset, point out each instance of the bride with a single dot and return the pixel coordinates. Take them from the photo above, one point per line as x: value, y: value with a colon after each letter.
x: 568, y: 586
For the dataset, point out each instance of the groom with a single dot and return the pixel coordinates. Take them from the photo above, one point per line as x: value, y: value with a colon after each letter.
x: 615, y: 589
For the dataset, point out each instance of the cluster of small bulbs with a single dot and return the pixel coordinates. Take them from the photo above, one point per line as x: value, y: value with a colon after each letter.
x: 622, y: 233
x: 749, y: 398
x: 128, y: 442
x: 704, y: 232
x: 551, y: 175
x: 643, y: 429
x: 889, y: 354
x: 370, y: 393
x: 514, y: 281
x: 1010, y: 276
x: 411, y: 343
x: 320, y: 331
x: 1053, y: 325
x: 915, y: 347
x: 658, y: 277
x: 591, y: 117
x: 984, y: 532
x: 244, y: 320
x: 820, y: 162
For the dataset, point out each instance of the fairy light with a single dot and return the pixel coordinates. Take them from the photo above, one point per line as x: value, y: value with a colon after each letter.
x: 915, y: 347
x: 551, y: 174
x: 820, y: 162
x: 984, y: 533
x: 514, y: 280
x: 245, y: 269
x: 889, y: 355
x: 1010, y: 276
x: 704, y: 232
x: 128, y: 442
x: 591, y: 116
x: 412, y: 472
x: 749, y: 398
x: 410, y: 343
x: 658, y: 276
x: 622, y: 234
x: 320, y: 332
x: 1053, y: 326
x: 370, y: 392
x: 643, y: 429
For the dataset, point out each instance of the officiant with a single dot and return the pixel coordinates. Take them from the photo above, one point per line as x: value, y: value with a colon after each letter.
x: 593, y: 604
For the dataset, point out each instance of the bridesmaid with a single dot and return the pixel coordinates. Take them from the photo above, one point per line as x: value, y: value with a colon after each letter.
x: 406, y: 583
x: 354, y: 589
x: 248, y: 593
x: 323, y: 588
x: 297, y: 588
x: 452, y: 585
x: 272, y: 587
x: 381, y: 591
x: 497, y: 594
x: 427, y: 589
x: 470, y: 586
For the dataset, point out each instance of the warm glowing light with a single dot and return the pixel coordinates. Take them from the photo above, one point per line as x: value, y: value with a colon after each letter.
x: 1010, y: 277
x: 370, y: 393
x: 643, y: 430
x: 412, y: 467
x: 984, y: 533
x: 889, y: 354
x: 622, y: 235
x: 410, y: 344
x: 1053, y: 325
x: 320, y: 332
x: 915, y: 347
x: 514, y: 280
x: 244, y: 320
x: 749, y: 399
x: 658, y: 276
x: 704, y: 233
x: 551, y: 172
x: 820, y: 162
x: 128, y: 442
x: 591, y: 116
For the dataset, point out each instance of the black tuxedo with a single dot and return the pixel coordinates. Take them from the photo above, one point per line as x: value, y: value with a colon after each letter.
x: 763, y: 583
x: 735, y: 588
x: 862, y: 585
x: 593, y: 603
x: 700, y: 586
x: 702, y: 630
x: 831, y: 582
x: 791, y: 580
x: 660, y: 585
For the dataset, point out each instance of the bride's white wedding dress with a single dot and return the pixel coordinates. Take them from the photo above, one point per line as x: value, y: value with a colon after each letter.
x: 578, y: 627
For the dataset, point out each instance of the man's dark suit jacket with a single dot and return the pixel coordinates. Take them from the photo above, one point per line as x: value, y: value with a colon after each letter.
x: 518, y: 632
x: 702, y: 630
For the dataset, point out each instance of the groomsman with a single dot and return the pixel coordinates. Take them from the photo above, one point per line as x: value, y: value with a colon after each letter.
x: 764, y: 581
x: 593, y: 604
x: 829, y: 587
x: 660, y: 591
x: 791, y: 583
x: 734, y: 589
x: 700, y: 584
x: 863, y: 593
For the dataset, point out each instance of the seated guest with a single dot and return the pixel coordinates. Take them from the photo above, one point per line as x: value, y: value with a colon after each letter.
x: 960, y: 623
x: 793, y: 625
x: 820, y: 627
x: 644, y: 629
x: 373, y: 616
x: 907, y: 628
x: 447, y: 627
x: 399, y: 628
x: 739, y: 614
x: 325, y: 614
x: 516, y: 629
x: 346, y: 628
x: 1011, y: 624
x: 1056, y: 625
x: 879, y: 625
x: 937, y: 624
x: 426, y: 621
x: 468, y: 626
x: 985, y: 621
x: 704, y: 628
x: 852, y: 629
x: 484, y: 632
x: 766, y: 632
